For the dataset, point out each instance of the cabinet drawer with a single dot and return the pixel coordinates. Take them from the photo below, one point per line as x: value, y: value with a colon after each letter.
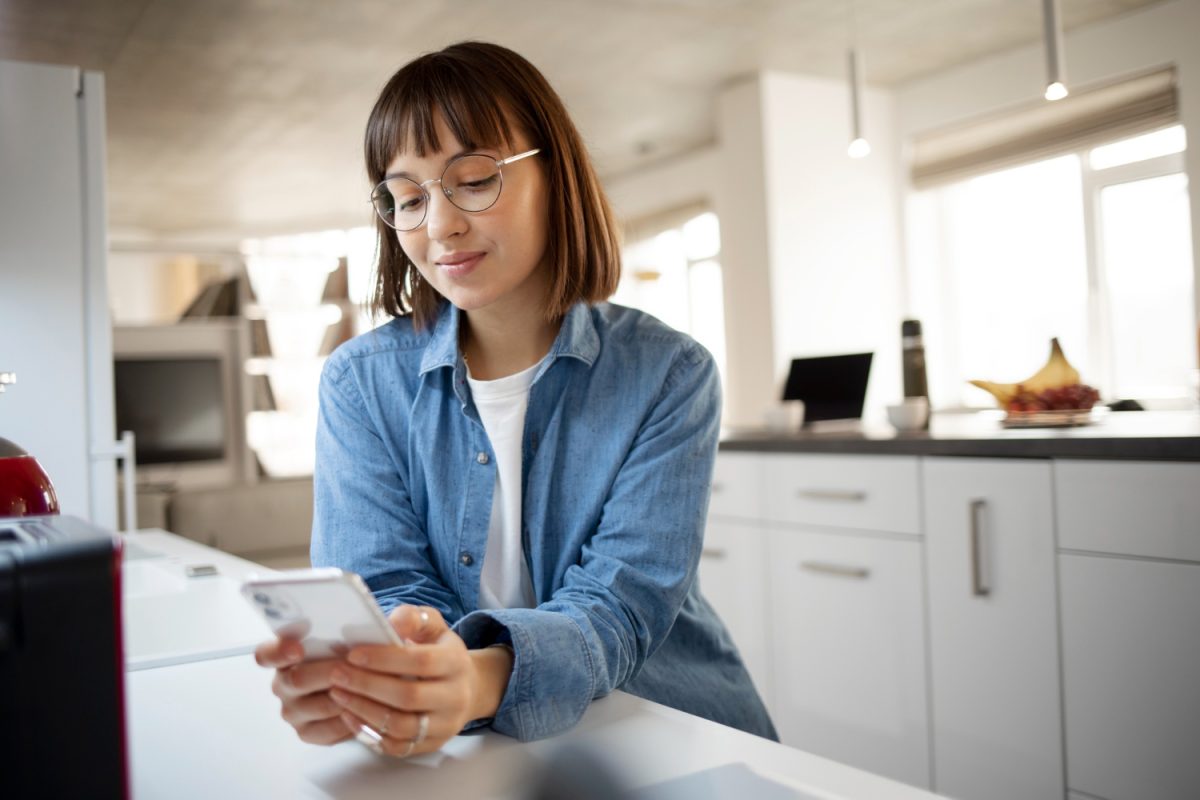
x: 1130, y: 508
x: 848, y: 640
x: 878, y: 493
x: 737, y: 486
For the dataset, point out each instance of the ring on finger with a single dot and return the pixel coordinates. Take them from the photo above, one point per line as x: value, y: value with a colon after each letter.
x: 408, y: 750
x: 369, y: 739
x: 422, y: 729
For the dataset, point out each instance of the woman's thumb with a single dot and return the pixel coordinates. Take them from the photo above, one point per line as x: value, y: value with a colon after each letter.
x: 420, y: 624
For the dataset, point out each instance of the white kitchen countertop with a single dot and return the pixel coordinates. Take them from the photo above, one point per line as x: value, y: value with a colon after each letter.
x: 203, y: 723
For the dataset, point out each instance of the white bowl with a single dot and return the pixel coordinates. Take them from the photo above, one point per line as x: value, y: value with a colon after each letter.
x: 910, y: 415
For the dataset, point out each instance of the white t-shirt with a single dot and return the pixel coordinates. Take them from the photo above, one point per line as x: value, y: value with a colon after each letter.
x: 504, y: 582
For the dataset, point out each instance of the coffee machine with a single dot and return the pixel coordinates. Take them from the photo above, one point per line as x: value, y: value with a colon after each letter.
x: 61, y: 662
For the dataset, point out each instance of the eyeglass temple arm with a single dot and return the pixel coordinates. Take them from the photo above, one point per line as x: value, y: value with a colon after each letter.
x: 519, y: 156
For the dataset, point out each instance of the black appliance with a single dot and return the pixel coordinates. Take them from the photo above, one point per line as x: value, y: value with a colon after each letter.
x: 62, y: 705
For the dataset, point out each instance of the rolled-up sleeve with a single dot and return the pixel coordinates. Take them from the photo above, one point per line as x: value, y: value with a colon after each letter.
x: 363, y: 519
x: 617, y: 605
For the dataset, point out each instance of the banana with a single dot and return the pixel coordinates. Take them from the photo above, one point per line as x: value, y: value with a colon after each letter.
x: 1057, y: 371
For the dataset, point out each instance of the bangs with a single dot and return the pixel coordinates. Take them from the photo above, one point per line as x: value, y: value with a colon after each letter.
x: 472, y: 104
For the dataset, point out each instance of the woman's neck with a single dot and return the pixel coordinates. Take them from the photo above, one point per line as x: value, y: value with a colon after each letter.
x: 497, y: 346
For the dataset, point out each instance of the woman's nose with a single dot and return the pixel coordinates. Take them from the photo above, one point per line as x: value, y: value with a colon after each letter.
x: 445, y: 219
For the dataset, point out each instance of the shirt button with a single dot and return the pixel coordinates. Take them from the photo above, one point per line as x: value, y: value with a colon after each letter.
x: 482, y: 458
x: 466, y: 559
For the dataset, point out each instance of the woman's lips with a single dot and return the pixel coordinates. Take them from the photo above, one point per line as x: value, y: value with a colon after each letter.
x: 459, y: 265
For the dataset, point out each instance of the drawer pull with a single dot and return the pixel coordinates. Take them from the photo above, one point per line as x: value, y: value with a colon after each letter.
x: 839, y: 495
x: 835, y: 569
x: 980, y: 585
x: 714, y: 553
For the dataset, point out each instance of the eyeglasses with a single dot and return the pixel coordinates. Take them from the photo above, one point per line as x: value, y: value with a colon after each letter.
x: 471, y: 182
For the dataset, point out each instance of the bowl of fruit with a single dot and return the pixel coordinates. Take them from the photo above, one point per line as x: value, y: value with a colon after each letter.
x: 1054, y: 396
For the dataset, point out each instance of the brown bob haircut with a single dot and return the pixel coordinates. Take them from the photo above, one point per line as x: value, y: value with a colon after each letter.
x: 485, y: 92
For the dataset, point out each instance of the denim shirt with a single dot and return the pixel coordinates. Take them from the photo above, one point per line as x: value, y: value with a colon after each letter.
x: 620, y: 437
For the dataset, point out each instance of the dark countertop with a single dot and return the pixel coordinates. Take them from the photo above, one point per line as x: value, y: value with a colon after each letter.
x: 1133, y: 435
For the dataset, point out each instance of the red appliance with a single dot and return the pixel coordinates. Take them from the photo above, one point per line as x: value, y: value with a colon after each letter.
x: 25, y: 488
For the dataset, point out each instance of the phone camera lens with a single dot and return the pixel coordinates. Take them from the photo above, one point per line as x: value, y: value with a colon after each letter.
x: 272, y: 613
x: 262, y: 598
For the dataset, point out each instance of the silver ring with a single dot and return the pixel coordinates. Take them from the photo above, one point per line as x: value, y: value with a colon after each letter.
x: 422, y: 729
x: 387, y: 717
x: 369, y: 739
x: 409, y: 749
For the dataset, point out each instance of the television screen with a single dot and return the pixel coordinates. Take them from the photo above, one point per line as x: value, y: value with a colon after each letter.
x: 832, y: 387
x: 174, y: 407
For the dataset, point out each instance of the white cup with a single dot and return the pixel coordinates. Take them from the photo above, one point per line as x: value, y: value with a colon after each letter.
x: 910, y: 414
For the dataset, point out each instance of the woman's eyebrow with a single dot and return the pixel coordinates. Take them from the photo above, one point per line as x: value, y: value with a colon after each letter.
x: 459, y: 154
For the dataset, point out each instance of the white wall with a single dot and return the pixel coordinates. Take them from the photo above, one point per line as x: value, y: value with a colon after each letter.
x: 54, y: 327
x: 729, y: 177
x: 836, y: 284
x: 1165, y: 34
x: 809, y: 236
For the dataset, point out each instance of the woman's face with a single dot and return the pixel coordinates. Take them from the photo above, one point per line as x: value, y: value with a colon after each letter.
x: 493, y: 259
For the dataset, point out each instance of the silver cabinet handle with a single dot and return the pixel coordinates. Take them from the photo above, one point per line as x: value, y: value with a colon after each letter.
x: 980, y: 586
x: 841, y: 495
x: 835, y: 569
x: 715, y: 553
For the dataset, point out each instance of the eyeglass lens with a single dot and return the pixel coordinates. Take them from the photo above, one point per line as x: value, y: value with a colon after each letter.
x: 471, y: 183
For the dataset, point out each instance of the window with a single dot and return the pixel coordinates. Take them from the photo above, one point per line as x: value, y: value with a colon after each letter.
x: 673, y: 271
x: 1092, y: 247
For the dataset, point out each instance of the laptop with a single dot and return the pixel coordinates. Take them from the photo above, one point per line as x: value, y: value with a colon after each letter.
x: 832, y: 387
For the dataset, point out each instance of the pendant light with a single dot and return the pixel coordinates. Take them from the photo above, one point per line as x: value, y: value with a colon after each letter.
x: 1056, y: 80
x: 859, y: 147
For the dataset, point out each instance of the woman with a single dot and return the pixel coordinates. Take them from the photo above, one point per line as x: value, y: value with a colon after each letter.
x: 519, y: 470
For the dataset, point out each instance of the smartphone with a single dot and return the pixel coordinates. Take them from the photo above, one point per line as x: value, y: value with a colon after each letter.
x: 327, y: 610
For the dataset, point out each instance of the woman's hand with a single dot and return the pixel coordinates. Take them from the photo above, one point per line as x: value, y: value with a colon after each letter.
x: 303, y: 691
x: 419, y: 695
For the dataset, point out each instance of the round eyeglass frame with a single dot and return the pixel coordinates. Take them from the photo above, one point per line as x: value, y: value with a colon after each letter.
x: 424, y: 185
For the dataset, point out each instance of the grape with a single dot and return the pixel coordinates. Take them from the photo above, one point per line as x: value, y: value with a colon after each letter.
x: 1073, y: 397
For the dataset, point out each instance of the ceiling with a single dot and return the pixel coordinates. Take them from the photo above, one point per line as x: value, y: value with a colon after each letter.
x: 251, y: 111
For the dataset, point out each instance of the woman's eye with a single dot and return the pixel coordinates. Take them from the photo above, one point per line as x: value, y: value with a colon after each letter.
x: 409, y: 203
x: 478, y: 184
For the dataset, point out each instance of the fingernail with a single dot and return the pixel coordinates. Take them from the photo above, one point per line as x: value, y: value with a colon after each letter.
x: 357, y: 657
x: 424, y: 618
x: 339, y: 697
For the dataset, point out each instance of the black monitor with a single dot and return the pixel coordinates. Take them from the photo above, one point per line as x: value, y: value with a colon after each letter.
x: 175, y: 408
x: 832, y: 387
x: 181, y: 389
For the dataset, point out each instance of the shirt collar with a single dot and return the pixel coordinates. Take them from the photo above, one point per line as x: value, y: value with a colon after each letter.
x: 577, y: 338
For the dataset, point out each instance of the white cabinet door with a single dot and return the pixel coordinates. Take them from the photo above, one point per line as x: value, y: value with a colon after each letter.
x: 848, y: 649
x: 989, y: 542
x: 733, y: 569
x: 1131, y: 676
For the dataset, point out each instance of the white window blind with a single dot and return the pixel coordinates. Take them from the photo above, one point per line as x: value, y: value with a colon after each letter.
x: 1043, y: 130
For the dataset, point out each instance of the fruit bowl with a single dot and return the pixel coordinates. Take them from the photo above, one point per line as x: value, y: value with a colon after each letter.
x: 1061, y: 418
x: 1054, y: 396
